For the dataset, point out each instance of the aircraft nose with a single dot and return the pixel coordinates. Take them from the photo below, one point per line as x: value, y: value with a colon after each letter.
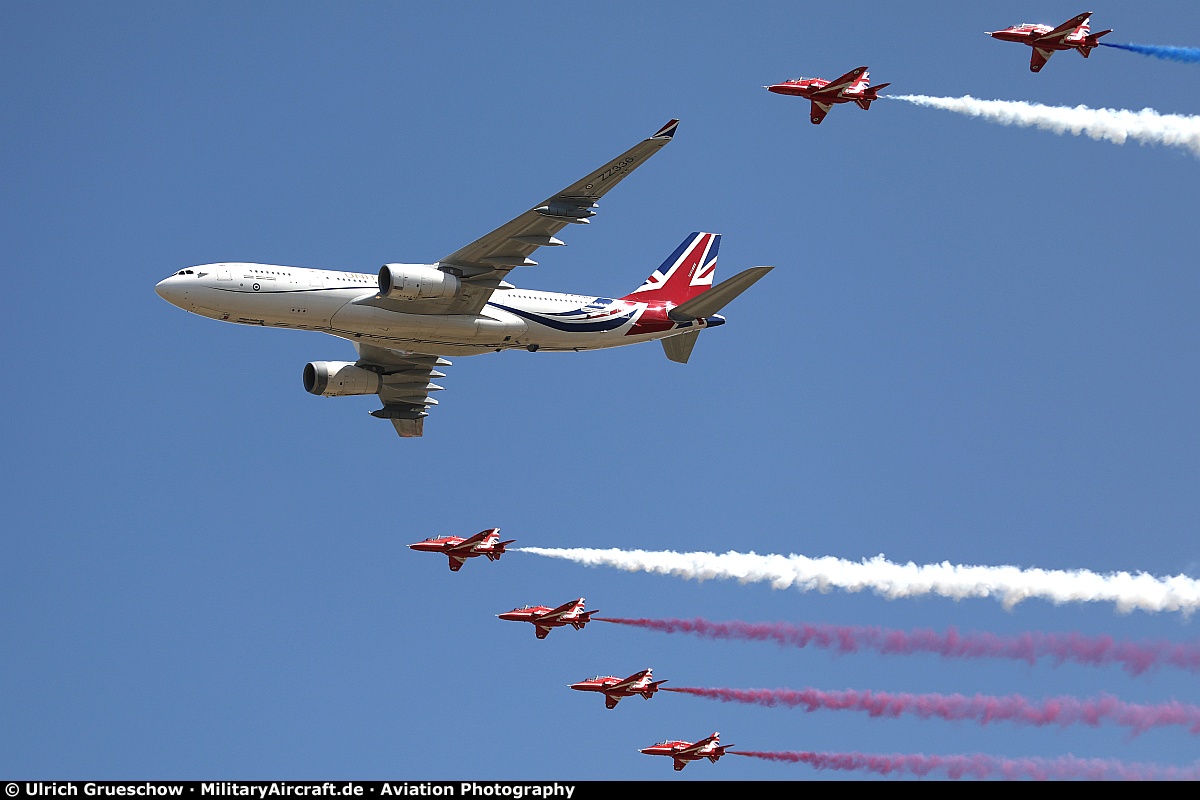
x: 169, y: 289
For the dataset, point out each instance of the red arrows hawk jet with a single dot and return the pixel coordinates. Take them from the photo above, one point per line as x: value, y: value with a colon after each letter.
x: 459, y: 549
x: 709, y: 747
x: 615, y: 688
x: 1074, y: 34
x: 853, y: 87
x: 544, y: 618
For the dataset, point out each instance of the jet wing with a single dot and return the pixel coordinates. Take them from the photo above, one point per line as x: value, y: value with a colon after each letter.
x: 1062, y: 31
x: 695, y: 747
x: 819, y: 110
x: 1039, y: 58
x: 407, y: 384
x: 467, y: 544
x: 485, y: 261
x: 835, y: 87
x: 627, y: 682
x: 556, y: 613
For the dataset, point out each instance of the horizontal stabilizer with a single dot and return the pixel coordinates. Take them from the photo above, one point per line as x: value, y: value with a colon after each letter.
x: 679, y: 348
x: 716, y: 298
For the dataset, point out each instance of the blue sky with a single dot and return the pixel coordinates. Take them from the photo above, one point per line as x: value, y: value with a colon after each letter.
x: 978, y: 346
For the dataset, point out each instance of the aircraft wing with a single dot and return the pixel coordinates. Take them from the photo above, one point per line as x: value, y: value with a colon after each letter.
x: 819, y: 110
x: 467, y: 544
x: 627, y: 682
x: 1038, y: 58
x: 695, y: 747
x: 407, y: 384
x: 485, y: 261
x: 835, y: 87
x: 1067, y: 28
x: 557, y: 613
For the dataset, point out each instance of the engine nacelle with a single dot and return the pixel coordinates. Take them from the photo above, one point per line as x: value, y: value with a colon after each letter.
x: 339, y: 379
x: 416, y: 282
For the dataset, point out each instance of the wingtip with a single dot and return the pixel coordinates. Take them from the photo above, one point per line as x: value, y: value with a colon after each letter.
x: 666, y: 131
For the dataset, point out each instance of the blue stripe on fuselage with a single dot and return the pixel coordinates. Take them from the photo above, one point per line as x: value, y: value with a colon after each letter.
x: 612, y: 323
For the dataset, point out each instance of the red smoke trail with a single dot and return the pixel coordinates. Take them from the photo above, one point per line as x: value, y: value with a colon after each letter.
x: 956, y: 707
x: 1135, y: 657
x: 981, y: 766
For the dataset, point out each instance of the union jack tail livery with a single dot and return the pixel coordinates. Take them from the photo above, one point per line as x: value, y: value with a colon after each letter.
x: 686, y: 273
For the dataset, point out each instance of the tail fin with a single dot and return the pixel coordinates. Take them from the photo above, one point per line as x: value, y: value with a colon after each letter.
x: 685, y: 274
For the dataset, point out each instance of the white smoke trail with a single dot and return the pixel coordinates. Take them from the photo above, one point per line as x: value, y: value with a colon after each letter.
x: 1010, y: 585
x: 1115, y: 125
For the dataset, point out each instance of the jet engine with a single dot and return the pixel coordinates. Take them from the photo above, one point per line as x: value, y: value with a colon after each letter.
x: 416, y: 282
x: 339, y: 378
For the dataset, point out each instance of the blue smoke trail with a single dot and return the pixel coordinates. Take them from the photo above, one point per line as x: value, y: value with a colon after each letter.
x: 1188, y: 55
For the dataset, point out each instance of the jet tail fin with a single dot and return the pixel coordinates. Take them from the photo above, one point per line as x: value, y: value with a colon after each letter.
x: 686, y: 273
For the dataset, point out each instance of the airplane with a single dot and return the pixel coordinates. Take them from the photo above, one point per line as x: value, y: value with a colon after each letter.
x: 853, y: 87
x: 682, y: 752
x: 615, y: 688
x: 404, y: 321
x: 544, y: 618
x: 1074, y: 34
x: 459, y: 549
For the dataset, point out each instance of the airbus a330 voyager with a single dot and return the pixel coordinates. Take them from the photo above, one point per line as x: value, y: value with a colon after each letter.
x: 404, y: 321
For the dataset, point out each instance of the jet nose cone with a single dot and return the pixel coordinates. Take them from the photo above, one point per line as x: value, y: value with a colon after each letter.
x: 169, y: 289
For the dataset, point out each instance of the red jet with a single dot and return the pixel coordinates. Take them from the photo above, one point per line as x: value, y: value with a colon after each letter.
x: 615, y: 688
x: 1074, y: 34
x: 544, y: 618
x: 853, y: 87
x: 485, y: 543
x: 709, y: 747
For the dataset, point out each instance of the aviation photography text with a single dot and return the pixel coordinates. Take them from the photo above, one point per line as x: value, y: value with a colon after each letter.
x: 263, y: 789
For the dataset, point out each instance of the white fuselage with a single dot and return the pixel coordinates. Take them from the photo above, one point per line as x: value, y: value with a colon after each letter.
x: 323, y: 300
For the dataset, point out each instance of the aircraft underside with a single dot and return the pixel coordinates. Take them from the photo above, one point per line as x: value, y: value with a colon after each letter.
x: 502, y: 327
